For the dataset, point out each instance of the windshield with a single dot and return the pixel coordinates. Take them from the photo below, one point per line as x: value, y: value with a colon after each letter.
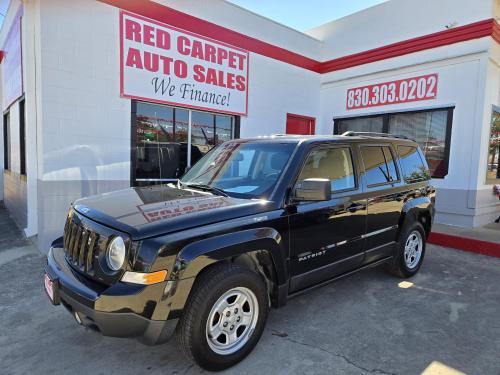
x: 241, y: 169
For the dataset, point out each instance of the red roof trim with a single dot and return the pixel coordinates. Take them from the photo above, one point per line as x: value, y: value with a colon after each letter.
x: 187, y: 22
x: 1, y: 56
x: 496, y: 31
x: 443, y: 38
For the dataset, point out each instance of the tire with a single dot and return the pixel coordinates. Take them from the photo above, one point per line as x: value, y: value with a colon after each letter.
x: 224, y: 288
x: 406, y: 261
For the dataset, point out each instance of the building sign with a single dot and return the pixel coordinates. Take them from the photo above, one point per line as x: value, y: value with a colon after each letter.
x: 393, y: 92
x: 12, y: 72
x: 164, y: 64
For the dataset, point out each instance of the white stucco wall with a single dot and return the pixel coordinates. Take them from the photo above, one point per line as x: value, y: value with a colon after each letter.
x: 78, y: 126
x: 394, y: 21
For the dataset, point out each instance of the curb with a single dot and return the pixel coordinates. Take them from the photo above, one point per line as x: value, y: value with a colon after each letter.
x: 466, y: 244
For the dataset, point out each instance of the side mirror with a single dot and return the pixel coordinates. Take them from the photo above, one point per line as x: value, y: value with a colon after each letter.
x: 313, y: 189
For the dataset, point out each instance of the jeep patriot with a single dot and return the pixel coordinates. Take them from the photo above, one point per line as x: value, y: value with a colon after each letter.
x: 252, y: 224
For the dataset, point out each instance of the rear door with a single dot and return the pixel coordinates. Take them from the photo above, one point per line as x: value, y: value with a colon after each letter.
x: 327, y: 237
x: 386, y: 194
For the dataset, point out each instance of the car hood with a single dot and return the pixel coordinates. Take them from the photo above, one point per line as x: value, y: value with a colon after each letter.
x: 152, y: 211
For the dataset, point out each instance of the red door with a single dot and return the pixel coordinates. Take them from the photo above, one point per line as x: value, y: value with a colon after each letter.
x: 296, y: 124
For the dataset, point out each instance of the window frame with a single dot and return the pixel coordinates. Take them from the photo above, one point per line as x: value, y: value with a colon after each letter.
x: 491, y: 181
x: 22, y: 137
x: 330, y: 145
x: 394, y: 160
x: 386, y: 116
x: 6, y: 141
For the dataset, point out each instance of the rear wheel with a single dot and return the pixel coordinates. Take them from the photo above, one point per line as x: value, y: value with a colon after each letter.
x: 410, y: 251
x: 224, y: 316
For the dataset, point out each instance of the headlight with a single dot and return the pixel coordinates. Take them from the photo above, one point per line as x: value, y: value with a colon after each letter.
x: 115, y: 254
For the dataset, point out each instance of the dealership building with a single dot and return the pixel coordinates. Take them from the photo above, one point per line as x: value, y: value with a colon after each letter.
x: 100, y: 95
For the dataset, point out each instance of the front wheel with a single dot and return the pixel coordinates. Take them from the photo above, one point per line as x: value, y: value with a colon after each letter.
x: 224, y: 316
x: 410, y: 251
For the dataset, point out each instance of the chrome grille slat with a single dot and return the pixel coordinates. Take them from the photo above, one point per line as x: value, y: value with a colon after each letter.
x: 76, y: 245
x: 72, y: 236
x: 65, y: 235
x: 80, y: 244
x: 90, y: 252
x: 83, y: 248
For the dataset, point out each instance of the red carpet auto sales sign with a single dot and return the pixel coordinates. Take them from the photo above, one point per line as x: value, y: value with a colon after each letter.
x: 164, y: 64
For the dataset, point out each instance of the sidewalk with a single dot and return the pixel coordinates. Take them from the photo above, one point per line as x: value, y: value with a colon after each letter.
x: 483, y: 240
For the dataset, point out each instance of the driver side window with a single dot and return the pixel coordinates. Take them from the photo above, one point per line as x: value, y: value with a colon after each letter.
x: 334, y: 164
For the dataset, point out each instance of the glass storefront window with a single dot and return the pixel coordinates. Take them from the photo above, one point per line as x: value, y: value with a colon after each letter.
x: 362, y: 124
x: 493, y: 172
x: 430, y: 129
x: 162, y: 140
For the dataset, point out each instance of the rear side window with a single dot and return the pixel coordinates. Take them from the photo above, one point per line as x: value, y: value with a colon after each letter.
x: 379, y: 165
x: 413, y: 168
x: 334, y: 164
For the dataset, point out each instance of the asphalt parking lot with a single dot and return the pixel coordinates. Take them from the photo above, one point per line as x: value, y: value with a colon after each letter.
x: 368, y: 323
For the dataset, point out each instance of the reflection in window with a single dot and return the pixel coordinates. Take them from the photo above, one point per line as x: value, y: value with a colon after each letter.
x: 161, y: 139
x: 493, y: 172
x: 362, y: 124
x: 428, y: 129
x: 242, y: 169
x: 379, y: 165
x: 334, y: 164
x: 413, y: 168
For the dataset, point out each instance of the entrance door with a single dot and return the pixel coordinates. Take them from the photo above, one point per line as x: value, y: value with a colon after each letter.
x: 296, y: 124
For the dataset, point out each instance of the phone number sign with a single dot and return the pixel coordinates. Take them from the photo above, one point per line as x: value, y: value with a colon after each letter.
x: 393, y: 92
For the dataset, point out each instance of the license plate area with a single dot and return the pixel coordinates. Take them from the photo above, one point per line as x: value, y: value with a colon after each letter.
x: 52, y: 289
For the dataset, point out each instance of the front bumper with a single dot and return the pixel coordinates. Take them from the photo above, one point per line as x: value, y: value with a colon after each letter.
x: 120, y: 310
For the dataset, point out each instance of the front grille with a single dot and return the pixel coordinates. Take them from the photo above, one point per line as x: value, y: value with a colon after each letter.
x: 80, y: 245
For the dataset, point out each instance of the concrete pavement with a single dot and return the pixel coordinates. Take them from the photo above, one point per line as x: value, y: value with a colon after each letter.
x: 369, y: 323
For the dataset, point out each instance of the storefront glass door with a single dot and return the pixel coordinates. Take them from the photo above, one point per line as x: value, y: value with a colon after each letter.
x: 167, y: 140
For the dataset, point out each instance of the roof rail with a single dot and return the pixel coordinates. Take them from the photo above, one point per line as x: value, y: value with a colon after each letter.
x: 373, y: 134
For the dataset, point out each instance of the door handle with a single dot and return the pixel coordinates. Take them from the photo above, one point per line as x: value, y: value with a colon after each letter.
x: 400, y: 197
x: 354, y: 207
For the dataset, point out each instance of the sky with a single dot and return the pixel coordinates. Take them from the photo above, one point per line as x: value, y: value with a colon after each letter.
x: 4, y: 4
x: 305, y: 14
x: 298, y: 14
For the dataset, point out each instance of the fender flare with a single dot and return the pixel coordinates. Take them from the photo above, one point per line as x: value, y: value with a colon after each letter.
x: 193, y: 258
x: 413, y: 209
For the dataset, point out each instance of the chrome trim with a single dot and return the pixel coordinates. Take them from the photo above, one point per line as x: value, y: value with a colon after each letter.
x: 374, y: 233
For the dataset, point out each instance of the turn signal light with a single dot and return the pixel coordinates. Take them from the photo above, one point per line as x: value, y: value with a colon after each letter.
x: 144, y: 278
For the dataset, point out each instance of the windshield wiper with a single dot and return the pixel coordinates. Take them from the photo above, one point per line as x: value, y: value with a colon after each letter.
x: 205, y: 187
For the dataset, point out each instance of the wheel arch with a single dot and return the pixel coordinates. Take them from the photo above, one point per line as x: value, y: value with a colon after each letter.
x: 259, y: 249
x: 419, y: 210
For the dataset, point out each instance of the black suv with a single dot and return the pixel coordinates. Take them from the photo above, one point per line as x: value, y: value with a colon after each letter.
x: 253, y: 223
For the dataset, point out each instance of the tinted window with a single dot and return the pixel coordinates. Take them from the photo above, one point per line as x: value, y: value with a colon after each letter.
x: 413, y: 168
x: 334, y: 164
x: 379, y: 165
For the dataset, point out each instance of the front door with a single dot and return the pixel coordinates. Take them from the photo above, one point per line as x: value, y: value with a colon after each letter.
x: 327, y: 237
